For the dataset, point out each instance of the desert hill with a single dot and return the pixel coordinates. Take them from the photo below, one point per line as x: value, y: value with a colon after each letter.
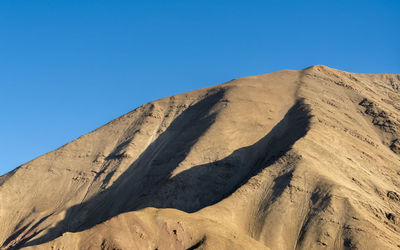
x: 305, y: 159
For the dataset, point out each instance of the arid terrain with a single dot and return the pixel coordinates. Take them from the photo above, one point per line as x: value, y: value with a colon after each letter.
x: 306, y: 159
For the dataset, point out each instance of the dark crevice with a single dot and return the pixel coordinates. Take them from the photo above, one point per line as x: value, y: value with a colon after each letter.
x: 198, y: 244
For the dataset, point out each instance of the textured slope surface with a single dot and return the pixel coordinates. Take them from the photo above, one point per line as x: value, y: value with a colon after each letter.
x: 289, y: 160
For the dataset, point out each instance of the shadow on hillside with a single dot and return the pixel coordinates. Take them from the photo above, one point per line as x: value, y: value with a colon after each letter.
x: 148, y: 181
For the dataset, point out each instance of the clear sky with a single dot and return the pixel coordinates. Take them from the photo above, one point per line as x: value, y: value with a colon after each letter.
x: 67, y: 66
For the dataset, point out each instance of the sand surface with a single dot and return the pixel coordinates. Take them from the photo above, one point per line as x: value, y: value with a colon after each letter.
x: 305, y: 159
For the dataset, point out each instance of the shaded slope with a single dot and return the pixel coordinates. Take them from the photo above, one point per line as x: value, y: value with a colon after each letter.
x: 190, y: 190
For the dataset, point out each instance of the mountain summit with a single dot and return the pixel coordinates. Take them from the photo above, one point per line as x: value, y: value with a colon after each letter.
x: 305, y: 159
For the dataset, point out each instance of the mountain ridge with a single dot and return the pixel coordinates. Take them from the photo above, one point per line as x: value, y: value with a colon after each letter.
x: 263, y: 162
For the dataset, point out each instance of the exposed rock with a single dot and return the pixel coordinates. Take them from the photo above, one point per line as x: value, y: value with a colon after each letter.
x: 393, y: 195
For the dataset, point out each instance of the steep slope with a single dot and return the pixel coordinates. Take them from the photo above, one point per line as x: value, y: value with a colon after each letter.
x: 289, y: 160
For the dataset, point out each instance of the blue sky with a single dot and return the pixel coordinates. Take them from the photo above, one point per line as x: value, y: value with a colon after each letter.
x: 68, y: 67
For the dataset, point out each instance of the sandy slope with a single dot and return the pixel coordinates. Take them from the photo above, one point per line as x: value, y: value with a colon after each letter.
x: 289, y: 160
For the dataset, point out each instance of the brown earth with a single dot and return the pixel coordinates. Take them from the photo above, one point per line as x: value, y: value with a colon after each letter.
x: 304, y: 159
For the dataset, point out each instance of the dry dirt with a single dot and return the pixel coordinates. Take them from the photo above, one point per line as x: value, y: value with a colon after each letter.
x: 305, y: 159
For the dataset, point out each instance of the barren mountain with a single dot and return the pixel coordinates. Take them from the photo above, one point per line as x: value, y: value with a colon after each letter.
x: 305, y: 159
